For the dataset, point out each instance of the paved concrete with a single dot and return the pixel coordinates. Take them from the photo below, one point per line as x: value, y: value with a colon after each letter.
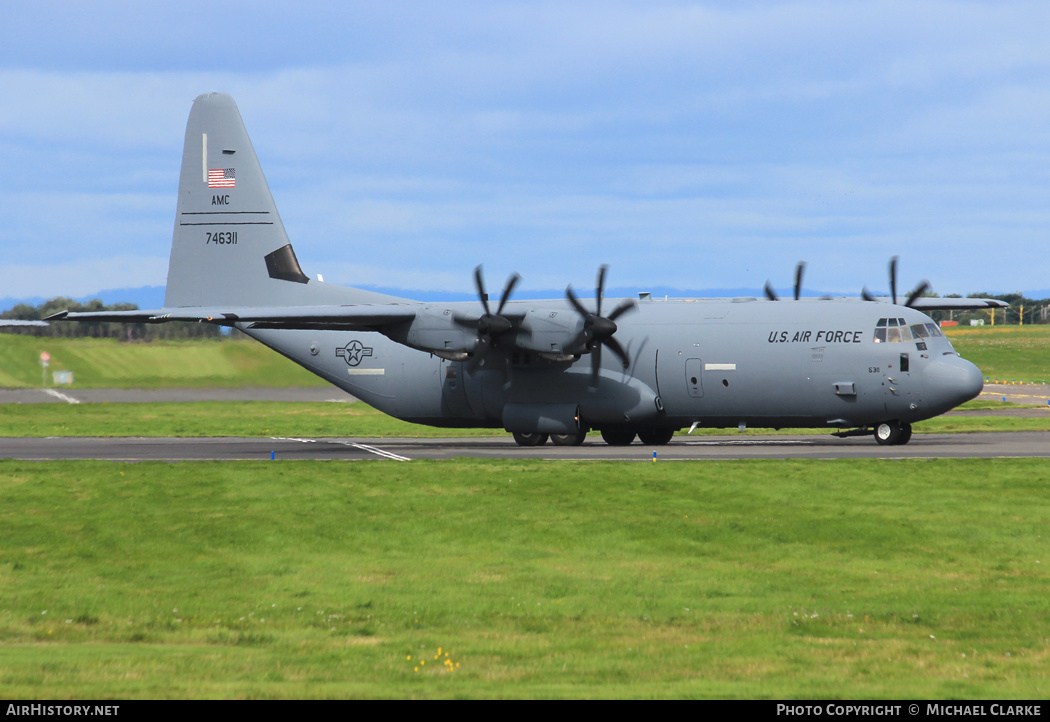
x: 922, y: 446
x: 1017, y: 393
x: 60, y: 395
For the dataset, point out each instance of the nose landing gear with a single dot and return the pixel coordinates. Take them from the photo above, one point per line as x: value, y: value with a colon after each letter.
x: 892, y: 433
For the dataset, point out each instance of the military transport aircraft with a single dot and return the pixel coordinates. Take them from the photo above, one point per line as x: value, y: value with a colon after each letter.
x: 547, y: 369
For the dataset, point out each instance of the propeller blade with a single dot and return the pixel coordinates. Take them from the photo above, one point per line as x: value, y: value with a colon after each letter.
x: 919, y: 290
x: 600, y: 292
x: 576, y: 302
x: 624, y: 307
x: 617, y: 349
x: 799, y: 270
x: 480, y: 284
x: 596, y: 364
x: 893, y: 279
x: 866, y: 295
x: 511, y: 283
x: 770, y: 293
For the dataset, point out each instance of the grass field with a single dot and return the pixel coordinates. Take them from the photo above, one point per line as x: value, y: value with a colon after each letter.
x: 1007, y: 353
x: 523, y: 579
x: 108, y: 363
x: 757, y: 579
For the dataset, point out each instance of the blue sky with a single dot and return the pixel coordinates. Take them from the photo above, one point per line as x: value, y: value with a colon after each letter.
x: 689, y: 145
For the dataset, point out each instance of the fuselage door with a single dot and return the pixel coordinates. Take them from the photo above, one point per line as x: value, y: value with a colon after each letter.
x: 679, y: 381
x: 694, y: 379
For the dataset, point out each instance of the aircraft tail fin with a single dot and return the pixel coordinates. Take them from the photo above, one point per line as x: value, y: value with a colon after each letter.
x: 229, y: 245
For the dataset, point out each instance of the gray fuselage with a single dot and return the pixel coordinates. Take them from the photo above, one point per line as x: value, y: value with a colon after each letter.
x: 718, y: 363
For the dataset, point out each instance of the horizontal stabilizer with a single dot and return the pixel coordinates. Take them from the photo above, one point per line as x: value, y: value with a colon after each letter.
x: 360, y: 317
x: 15, y: 322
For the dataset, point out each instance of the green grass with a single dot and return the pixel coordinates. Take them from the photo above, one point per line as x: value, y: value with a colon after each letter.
x: 852, y: 579
x: 1006, y: 353
x: 108, y: 363
x: 275, y: 418
x: 214, y: 418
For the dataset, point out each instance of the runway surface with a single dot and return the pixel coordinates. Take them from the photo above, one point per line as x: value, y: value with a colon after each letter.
x: 922, y: 446
x: 61, y: 395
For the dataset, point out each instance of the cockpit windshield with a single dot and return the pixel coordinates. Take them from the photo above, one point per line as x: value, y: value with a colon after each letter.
x: 895, y: 330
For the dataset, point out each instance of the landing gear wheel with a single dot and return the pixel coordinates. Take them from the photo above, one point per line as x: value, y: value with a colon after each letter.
x: 530, y: 439
x: 905, y: 434
x: 618, y: 438
x: 655, y: 437
x: 888, y: 433
x: 568, y: 439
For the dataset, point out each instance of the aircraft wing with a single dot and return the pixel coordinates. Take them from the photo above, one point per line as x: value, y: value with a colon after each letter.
x: 14, y: 322
x: 956, y: 304
x: 361, y: 317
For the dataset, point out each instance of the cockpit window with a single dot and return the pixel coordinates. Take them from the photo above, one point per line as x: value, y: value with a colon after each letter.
x: 896, y: 330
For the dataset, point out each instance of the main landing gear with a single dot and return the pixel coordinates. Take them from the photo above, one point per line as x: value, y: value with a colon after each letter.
x: 530, y: 439
x: 612, y: 437
x: 538, y: 439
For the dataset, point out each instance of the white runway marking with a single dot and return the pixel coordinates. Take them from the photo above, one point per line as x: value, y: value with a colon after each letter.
x: 374, y: 450
x: 62, y: 396
x: 363, y: 447
x: 754, y: 442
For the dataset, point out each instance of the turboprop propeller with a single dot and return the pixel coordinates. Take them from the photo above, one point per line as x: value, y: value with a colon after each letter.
x: 490, y: 326
x: 598, y: 330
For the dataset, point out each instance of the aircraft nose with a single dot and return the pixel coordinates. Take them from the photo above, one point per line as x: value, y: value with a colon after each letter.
x: 950, y: 381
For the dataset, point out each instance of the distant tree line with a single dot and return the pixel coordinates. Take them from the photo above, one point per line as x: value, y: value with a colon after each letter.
x: 123, y: 331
